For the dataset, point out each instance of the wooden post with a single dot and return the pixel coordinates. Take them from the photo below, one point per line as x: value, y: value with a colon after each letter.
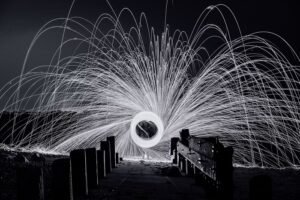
x: 189, y: 168
x: 179, y: 160
x: 260, y: 188
x: 184, y: 164
x: 30, y: 183
x: 101, y: 165
x: 173, y: 149
x: 62, y: 179
x: 111, y: 141
x: 92, y: 167
x: 79, y: 173
x: 117, y: 158
x: 105, y: 146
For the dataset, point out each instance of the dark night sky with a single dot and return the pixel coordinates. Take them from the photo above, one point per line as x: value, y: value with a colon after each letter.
x: 20, y: 20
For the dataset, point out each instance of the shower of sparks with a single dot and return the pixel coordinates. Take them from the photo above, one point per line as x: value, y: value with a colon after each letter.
x: 244, y: 89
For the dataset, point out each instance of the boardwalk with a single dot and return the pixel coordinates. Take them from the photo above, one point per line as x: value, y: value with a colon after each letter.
x: 145, y: 181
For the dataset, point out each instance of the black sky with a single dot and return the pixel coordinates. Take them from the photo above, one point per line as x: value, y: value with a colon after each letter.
x: 20, y: 20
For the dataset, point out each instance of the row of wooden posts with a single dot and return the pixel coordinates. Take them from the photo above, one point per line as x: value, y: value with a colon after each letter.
x: 72, y: 177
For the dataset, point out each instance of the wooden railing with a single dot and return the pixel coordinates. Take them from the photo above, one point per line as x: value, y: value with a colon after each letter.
x: 206, y: 158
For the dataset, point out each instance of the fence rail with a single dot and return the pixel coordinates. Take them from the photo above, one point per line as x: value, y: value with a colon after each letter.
x: 205, y: 158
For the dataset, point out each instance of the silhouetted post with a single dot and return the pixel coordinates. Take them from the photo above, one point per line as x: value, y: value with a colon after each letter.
x: 92, y: 167
x: 189, y: 168
x: 101, y: 165
x: 178, y: 160
x: 79, y: 173
x: 105, y: 146
x: 174, y: 141
x: 184, y: 136
x: 197, y: 175
x: 117, y: 158
x: 224, y: 169
x: 175, y: 159
x: 195, y: 169
x: 173, y: 150
x: 62, y: 180
x: 30, y: 183
x: 183, y: 164
x: 111, y: 141
x: 261, y: 188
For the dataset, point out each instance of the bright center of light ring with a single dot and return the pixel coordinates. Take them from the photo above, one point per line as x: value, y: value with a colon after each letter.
x: 148, y: 117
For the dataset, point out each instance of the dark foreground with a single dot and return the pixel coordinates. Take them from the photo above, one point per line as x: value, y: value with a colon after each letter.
x: 129, y: 180
x: 147, y: 181
x: 144, y: 180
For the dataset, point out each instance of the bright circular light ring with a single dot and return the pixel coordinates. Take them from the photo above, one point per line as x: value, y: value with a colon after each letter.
x: 146, y: 140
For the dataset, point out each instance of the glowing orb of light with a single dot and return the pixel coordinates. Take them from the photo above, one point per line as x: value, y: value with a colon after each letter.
x: 143, y: 136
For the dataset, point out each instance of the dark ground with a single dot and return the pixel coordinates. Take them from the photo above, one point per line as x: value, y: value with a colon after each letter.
x: 147, y: 180
x: 130, y: 180
x: 11, y: 161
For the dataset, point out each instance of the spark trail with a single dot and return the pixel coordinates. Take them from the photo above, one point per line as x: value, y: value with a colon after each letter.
x: 243, y: 90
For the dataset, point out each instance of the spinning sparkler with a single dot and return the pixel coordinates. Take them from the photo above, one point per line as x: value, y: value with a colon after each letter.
x: 144, y: 88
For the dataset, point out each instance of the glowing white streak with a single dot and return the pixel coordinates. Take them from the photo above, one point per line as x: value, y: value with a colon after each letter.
x: 149, y: 142
x: 244, y: 90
